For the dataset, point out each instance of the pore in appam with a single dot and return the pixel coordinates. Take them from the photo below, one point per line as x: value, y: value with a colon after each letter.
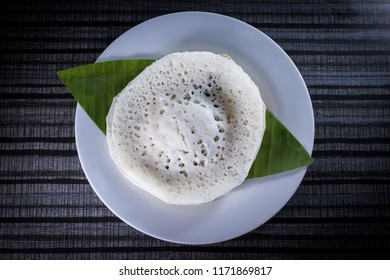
x: 188, y: 128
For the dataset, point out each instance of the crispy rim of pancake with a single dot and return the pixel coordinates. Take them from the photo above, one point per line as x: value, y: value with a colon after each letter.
x: 188, y: 128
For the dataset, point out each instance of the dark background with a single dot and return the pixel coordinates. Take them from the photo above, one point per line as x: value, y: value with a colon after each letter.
x: 341, y: 211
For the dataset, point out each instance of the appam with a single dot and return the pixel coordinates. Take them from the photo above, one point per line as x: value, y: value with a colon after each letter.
x: 188, y: 128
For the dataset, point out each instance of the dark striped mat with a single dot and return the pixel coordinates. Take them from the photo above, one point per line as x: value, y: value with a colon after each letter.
x: 341, y: 211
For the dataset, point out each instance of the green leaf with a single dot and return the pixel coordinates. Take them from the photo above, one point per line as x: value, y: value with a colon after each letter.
x: 280, y: 151
x: 95, y: 85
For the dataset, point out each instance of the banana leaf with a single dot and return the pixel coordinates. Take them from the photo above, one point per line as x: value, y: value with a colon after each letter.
x: 280, y: 151
x: 95, y: 85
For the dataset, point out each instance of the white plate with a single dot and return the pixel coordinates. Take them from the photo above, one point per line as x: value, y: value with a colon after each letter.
x: 249, y: 205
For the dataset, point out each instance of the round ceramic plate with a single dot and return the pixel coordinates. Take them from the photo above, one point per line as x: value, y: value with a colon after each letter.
x: 249, y: 205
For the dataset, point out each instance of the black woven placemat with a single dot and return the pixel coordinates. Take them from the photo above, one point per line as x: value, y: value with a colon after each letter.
x: 341, y: 211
